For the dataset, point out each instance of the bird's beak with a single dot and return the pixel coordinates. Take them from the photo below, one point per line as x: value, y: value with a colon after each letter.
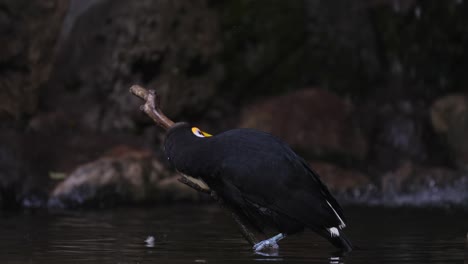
x: 206, y: 134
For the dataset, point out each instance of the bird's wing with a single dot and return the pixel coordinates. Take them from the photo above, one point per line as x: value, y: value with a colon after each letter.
x: 283, y: 182
x: 335, y: 206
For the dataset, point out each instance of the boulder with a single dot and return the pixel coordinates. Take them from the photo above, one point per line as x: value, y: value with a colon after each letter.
x: 313, y: 121
x: 123, y: 176
x: 449, y: 116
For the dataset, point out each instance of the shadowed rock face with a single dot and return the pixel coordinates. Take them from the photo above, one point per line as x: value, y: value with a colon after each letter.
x: 12, y: 171
x: 168, y: 45
x: 26, y: 57
x: 24, y: 167
x: 29, y: 31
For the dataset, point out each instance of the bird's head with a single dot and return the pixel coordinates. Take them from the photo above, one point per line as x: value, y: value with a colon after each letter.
x: 187, y: 148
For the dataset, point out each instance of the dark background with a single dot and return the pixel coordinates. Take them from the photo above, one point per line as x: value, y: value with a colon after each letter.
x: 372, y: 93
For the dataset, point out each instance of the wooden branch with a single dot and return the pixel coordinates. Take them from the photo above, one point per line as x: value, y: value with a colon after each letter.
x: 249, y: 236
x: 193, y: 185
x: 152, y: 106
x: 153, y: 110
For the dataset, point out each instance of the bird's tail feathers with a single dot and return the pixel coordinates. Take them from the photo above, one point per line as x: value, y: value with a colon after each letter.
x: 339, y: 239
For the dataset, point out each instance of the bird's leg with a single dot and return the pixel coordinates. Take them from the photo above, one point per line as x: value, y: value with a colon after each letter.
x: 269, y: 243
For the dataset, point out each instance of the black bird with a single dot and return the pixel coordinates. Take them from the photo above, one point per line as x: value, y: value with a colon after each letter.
x: 261, y: 179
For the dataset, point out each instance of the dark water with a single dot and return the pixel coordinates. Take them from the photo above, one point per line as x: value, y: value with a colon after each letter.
x: 204, y: 234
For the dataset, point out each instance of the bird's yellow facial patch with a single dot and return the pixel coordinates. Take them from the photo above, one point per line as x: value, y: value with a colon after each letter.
x: 197, y: 132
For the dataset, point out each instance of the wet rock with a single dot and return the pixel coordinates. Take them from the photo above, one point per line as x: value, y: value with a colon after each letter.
x: 410, y: 184
x: 171, y: 46
x: 123, y: 176
x: 313, y: 121
x: 413, y: 184
x: 28, y: 32
x: 449, y: 116
x: 34, y: 199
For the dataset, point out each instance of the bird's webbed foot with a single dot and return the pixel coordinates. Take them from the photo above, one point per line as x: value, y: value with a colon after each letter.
x: 265, y: 244
x: 269, y: 244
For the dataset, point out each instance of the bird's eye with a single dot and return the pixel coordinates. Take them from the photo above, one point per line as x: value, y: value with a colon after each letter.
x: 197, y: 132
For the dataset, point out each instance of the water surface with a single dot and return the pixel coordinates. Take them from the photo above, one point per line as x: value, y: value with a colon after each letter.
x: 205, y: 234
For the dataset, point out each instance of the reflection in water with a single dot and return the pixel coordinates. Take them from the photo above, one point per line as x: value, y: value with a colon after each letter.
x: 336, y: 260
x: 271, y: 253
x: 184, y: 234
x: 274, y: 255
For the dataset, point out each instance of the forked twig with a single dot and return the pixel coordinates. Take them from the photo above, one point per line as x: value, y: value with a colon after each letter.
x: 153, y: 110
x: 152, y: 106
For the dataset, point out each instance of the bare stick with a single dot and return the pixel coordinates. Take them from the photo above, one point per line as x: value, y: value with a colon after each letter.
x: 242, y: 227
x: 193, y: 185
x: 153, y: 110
x: 152, y: 106
x: 249, y: 236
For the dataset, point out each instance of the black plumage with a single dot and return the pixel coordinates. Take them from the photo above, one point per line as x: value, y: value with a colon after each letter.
x: 261, y: 178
